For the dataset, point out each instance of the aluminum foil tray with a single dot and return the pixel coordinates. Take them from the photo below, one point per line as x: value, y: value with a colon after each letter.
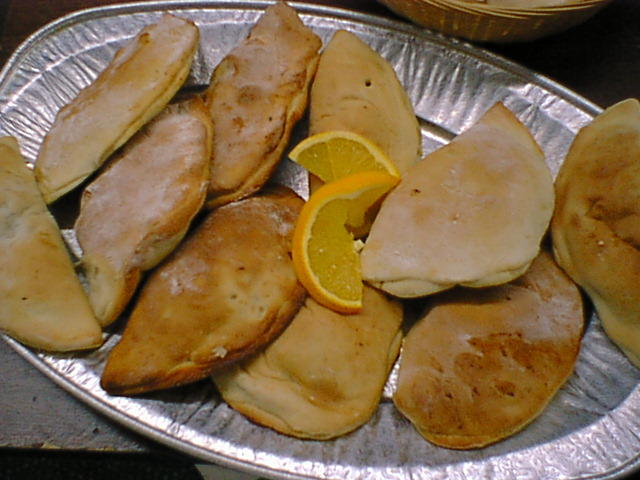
x: 590, y: 429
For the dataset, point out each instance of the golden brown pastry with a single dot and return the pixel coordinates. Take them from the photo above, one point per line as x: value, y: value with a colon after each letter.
x: 472, y: 213
x: 596, y: 225
x: 357, y: 90
x: 43, y: 304
x: 136, y: 212
x: 135, y: 86
x: 481, y: 364
x: 324, y: 376
x: 229, y: 289
x: 257, y: 93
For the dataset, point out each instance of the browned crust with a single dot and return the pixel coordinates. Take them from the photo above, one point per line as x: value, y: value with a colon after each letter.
x: 130, y: 370
x: 237, y: 90
x: 595, y: 228
x: 190, y: 372
x: 481, y: 365
x: 272, y: 158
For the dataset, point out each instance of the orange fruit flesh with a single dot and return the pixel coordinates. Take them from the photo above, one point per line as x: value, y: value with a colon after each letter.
x: 358, y: 155
x: 324, y: 252
x: 336, y: 154
x: 336, y: 265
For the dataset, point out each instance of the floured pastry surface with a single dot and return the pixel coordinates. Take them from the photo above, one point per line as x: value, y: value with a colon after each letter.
x: 324, y: 375
x: 472, y: 213
x: 42, y: 303
x: 355, y: 89
x: 596, y: 225
x: 137, y: 211
x: 229, y: 289
x: 482, y: 364
x: 257, y: 94
x: 135, y: 86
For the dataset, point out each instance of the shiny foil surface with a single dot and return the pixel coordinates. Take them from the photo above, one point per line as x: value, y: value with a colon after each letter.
x: 589, y: 430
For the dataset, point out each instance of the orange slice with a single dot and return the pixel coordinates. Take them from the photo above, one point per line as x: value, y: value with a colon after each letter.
x: 324, y: 251
x: 335, y: 154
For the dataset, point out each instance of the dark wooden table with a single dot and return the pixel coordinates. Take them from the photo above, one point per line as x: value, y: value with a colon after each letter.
x: 599, y: 60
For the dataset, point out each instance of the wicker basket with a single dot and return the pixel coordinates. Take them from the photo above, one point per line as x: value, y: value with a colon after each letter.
x: 491, y: 23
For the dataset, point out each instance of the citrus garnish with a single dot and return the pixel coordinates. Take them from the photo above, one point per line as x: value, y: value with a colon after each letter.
x: 324, y: 251
x: 335, y: 154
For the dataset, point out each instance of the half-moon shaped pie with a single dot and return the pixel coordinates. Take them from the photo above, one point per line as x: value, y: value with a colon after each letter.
x: 357, y: 90
x: 324, y: 375
x: 483, y: 363
x: 228, y: 290
x: 257, y: 94
x: 472, y: 213
x: 137, y: 211
x: 42, y: 303
x: 596, y: 225
x: 136, y: 85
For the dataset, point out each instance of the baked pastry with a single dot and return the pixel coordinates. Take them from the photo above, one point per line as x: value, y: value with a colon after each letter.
x: 596, y: 225
x: 227, y: 291
x: 357, y: 90
x: 481, y: 364
x: 257, y: 94
x: 472, y: 213
x: 43, y: 304
x: 324, y: 375
x: 137, y: 211
x: 134, y: 87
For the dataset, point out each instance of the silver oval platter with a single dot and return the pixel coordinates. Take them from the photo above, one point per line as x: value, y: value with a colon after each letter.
x: 590, y: 428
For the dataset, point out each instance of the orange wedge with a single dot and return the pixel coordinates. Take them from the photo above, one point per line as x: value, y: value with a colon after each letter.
x: 324, y: 250
x: 335, y: 154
